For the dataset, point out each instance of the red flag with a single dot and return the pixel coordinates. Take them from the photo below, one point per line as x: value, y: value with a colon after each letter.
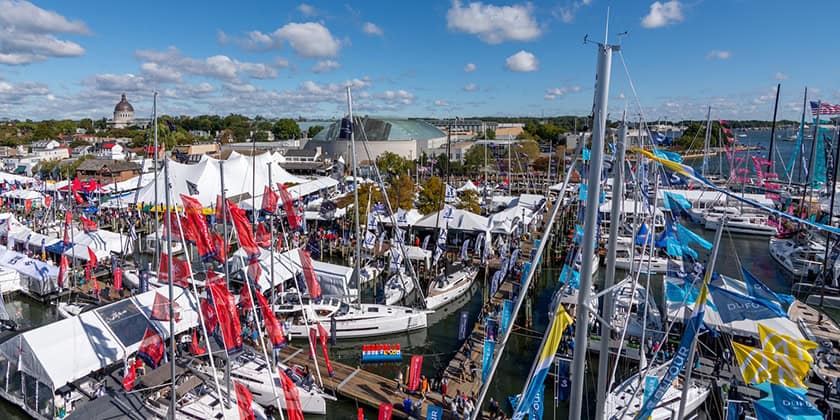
x: 222, y: 248
x: 62, y: 270
x: 243, y: 229
x: 151, y: 348
x: 313, y: 339
x: 289, y: 206
x: 195, y: 349
x: 180, y: 270
x: 293, y: 408
x: 254, y: 271
x: 312, y: 285
x: 27, y: 205
x: 360, y: 415
x: 76, y: 185
x: 269, y: 200
x: 414, y: 372
x: 118, y: 275
x: 263, y: 237
x: 160, y: 309
x: 209, y: 315
x: 385, y: 411
x: 88, y: 225
x: 272, y: 324
x: 92, y: 260
x: 219, y: 209
x: 198, y: 224
x: 227, y: 315
x: 129, y: 378
x: 323, y: 335
x: 176, y: 226
x: 243, y: 401
x: 48, y: 201
x: 78, y: 198
x: 245, y: 298
x: 87, y: 273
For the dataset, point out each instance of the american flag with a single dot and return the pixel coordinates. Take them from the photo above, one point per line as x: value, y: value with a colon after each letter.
x: 822, y: 108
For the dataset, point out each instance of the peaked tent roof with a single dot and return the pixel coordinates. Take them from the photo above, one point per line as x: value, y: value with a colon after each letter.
x: 460, y: 220
x: 468, y: 186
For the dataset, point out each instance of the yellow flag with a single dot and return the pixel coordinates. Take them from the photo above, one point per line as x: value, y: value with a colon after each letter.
x: 776, y: 342
x: 758, y: 366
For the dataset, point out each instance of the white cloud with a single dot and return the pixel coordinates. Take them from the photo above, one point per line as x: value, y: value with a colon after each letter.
x: 554, y: 93
x: 310, y: 39
x: 494, y: 24
x: 27, y: 34
x: 324, y: 66
x: 780, y: 76
x: 240, y: 87
x: 160, y: 73
x: 307, y: 10
x: 396, y: 96
x: 219, y: 67
x: 110, y: 82
x: 567, y: 13
x: 470, y: 87
x: 470, y: 67
x: 718, y: 55
x: 663, y: 14
x: 523, y: 61
x: 441, y: 102
x: 371, y: 29
x: 281, y: 62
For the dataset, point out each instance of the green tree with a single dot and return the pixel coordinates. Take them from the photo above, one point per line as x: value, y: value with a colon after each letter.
x: 264, y: 125
x: 474, y: 158
x: 401, y: 192
x: 87, y: 124
x: 529, y: 148
x: 261, y: 135
x: 286, y: 128
x: 313, y: 130
x: 391, y: 163
x: 431, y: 196
x: 44, y: 130
x: 100, y: 124
x: 469, y: 202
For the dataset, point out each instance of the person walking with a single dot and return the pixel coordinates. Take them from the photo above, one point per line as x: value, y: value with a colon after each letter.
x: 399, y: 382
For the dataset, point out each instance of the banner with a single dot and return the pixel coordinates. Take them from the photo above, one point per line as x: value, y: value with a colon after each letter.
x: 269, y: 200
x: 535, y: 410
x: 507, y: 308
x: 244, y: 398
x: 323, y: 335
x: 414, y: 373
x: 288, y: 206
x: 272, y: 324
x: 290, y: 392
x: 151, y: 348
x: 227, y: 316
x: 243, y: 229
x: 385, y: 411
x: 462, y: 326
x: 651, y: 382
x: 198, y: 224
x: 487, y: 358
x: 434, y: 412
x: 312, y: 285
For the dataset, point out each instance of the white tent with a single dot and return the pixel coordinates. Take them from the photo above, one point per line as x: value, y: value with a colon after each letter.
x: 70, y: 349
x: 100, y: 240
x: 334, y: 279
x: 506, y: 220
x: 35, y: 196
x: 129, y: 184
x: 411, y: 217
x: 37, y: 276
x: 460, y: 220
x: 11, y: 178
x: 35, y: 240
x: 242, y: 175
x: 468, y: 186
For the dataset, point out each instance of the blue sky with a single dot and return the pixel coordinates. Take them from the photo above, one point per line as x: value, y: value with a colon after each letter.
x: 62, y: 59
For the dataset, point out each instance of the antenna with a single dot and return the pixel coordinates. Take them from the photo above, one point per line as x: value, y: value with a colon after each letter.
x: 607, y: 26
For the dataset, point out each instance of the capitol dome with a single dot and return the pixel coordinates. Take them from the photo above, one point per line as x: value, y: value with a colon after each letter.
x: 123, y: 114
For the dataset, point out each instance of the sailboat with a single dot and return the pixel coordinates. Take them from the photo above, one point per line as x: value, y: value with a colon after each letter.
x: 625, y: 400
x: 449, y: 286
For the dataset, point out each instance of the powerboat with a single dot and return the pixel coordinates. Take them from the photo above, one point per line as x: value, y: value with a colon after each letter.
x: 351, y: 321
x: 737, y: 222
x: 445, y: 289
x: 627, y: 398
x: 800, y: 258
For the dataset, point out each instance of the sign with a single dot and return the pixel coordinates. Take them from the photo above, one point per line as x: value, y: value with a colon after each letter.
x: 462, y: 327
x: 381, y: 353
x: 414, y: 373
x: 487, y: 359
x: 434, y: 412
x: 507, y: 309
x: 651, y: 382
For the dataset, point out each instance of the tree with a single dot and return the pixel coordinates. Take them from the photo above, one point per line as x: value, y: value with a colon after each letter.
x: 286, y: 128
x: 44, y: 130
x: 540, y: 164
x: 401, y: 193
x: 313, y: 130
x: 100, y: 124
x: 529, y: 148
x: 87, y: 124
x: 474, y: 158
x: 469, y: 202
x: 391, y: 163
x: 263, y: 125
x: 261, y: 135
x: 431, y: 196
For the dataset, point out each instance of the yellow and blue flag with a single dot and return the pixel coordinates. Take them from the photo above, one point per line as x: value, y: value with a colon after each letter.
x: 757, y: 366
x: 776, y: 342
x: 561, y: 321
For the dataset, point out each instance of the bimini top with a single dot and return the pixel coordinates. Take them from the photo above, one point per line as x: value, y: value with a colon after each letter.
x: 384, y: 129
x: 72, y: 348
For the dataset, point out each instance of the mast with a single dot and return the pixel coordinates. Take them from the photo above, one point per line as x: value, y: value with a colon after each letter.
x: 155, y: 166
x: 510, y: 167
x: 609, y: 279
x: 813, y: 154
x: 800, y: 140
x: 706, y: 141
x: 171, y: 288
x: 710, y: 269
x: 590, y: 224
x: 830, y: 215
x: 773, y: 131
x: 225, y: 264
x: 271, y: 237
x: 355, y: 185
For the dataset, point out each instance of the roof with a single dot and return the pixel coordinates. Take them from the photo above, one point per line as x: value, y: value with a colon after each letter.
x: 460, y: 220
x: 108, y: 146
x: 384, y: 129
x: 123, y: 105
x: 301, y: 153
x: 96, y: 165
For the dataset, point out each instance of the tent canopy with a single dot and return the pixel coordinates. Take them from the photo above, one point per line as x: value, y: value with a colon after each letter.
x: 334, y: 279
x: 101, y: 240
x: 460, y: 220
x: 70, y: 349
x: 24, y: 195
x: 468, y: 186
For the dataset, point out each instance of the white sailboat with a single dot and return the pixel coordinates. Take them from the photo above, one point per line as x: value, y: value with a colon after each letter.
x: 798, y: 257
x: 753, y: 224
x: 447, y: 288
x: 625, y: 400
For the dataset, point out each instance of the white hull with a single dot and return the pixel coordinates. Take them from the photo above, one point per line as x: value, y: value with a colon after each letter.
x: 365, y: 320
x: 397, y: 288
x: 792, y: 257
x: 253, y: 375
x: 668, y: 407
x: 459, y: 283
x: 742, y: 228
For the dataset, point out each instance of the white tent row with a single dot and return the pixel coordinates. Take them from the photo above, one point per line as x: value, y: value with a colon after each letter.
x: 11, y: 178
x: 35, y: 196
x: 744, y: 328
x: 316, y: 215
x: 468, y: 186
x: 506, y: 220
x: 39, y: 277
x: 102, y: 242
x: 55, y: 185
x: 34, y: 239
x: 411, y: 217
x: 70, y: 349
x: 242, y: 173
x: 459, y: 220
x: 334, y: 279
x: 129, y: 184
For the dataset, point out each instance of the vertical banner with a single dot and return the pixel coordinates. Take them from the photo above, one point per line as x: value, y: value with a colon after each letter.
x: 507, y: 309
x: 434, y: 412
x: 651, y: 382
x: 487, y: 358
x: 385, y: 411
x: 414, y: 373
x: 734, y: 410
x: 462, y: 327
x: 526, y: 267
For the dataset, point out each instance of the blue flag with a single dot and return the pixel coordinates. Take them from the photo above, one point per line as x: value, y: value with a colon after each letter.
x: 434, y: 412
x: 537, y: 406
x: 791, y: 403
x: 462, y: 327
x: 507, y: 308
x: 734, y: 306
x: 734, y: 410
x: 759, y: 290
x: 526, y: 267
x: 487, y: 359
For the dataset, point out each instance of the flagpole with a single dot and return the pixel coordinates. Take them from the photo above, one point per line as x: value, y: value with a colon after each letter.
x: 773, y: 131
x: 590, y: 225
x: 155, y: 166
x: 357, y: 268
x: 710, y: 269
x: 225, y: 263
x: 271, y: 236
x: 171, y: 289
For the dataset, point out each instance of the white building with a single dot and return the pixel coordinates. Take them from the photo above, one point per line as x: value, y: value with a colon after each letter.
x: 112, y: 151
x: 407, y: 138
x: 123, y: 114
x: 49, y: 150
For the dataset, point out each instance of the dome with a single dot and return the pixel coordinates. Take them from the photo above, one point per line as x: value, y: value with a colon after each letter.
x: 123, y: 105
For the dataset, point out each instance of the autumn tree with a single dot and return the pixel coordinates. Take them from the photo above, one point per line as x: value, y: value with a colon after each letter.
x: 431, y: 196
x: 401, y: 193
x: 469, y: 201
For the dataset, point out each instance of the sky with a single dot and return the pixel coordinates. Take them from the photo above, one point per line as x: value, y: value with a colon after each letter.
x: 273, y: 58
